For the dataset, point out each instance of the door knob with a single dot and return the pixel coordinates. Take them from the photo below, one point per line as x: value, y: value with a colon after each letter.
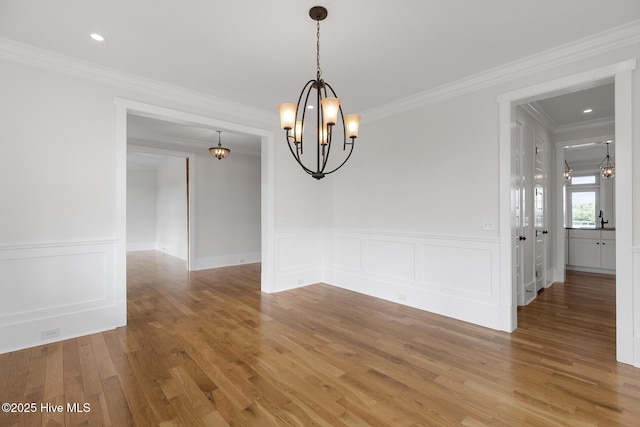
x: 522, y: 238
x: 545, y: 231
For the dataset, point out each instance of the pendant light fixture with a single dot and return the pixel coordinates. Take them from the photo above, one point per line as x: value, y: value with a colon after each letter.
x: 567, y: 169
x: 219, y: 152
x: 607, y: 166
x: 330, y: 124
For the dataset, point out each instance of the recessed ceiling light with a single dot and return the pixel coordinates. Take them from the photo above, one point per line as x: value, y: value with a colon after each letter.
x: 97, y: 37
x: 310, y: 107
x: 588, y: 110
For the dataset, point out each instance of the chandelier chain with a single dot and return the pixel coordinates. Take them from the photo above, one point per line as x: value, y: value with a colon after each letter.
x: 319, y: 70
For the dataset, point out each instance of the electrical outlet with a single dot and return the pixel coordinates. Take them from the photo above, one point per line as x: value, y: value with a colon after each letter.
x: 50, y: 333
x: 488, y: 224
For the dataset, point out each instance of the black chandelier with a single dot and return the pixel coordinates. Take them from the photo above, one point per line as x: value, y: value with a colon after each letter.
x: 331, y: 124
x: 607, y: 166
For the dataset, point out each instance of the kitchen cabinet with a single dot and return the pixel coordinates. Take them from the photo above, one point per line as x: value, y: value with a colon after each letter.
x: 592, y: 250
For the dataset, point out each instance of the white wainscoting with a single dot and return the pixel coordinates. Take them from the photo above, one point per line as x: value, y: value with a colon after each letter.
x: 452, y: 276
x: 297, y: 259
x: 635, y: 254
x: 56, y: 291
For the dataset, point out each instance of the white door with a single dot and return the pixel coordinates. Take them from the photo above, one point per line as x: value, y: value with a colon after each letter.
x: 518, y: 232
x: 540, y: 225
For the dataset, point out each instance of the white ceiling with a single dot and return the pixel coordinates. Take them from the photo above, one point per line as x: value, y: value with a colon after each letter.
x: 145, y: 131
x: 569, y: 109
x: 261, y: 53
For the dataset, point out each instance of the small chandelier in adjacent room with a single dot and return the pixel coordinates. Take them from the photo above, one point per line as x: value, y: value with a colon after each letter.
x: 219, y: 152
x: 330, y: 124
x: 607, y: 166
x: 567, y: 169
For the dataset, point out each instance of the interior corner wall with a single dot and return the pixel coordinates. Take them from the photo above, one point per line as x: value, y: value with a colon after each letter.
x: 304, y: 210
x: 141, y: 209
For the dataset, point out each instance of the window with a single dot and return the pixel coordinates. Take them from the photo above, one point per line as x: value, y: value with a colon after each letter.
x: 583, y: 201
x: 584, y: 179
x: 583, y: 209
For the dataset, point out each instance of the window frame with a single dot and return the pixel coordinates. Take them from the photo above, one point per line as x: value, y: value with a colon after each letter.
x: 572, y: 188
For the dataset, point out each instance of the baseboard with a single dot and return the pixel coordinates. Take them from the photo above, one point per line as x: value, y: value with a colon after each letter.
x: 134, y: 247
x: 591, y: 270
x: 204, y: 263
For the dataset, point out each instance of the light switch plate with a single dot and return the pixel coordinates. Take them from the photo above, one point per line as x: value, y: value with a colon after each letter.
x: 488, y: 224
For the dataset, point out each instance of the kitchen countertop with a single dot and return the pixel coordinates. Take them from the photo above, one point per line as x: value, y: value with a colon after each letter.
x: 594, y: 229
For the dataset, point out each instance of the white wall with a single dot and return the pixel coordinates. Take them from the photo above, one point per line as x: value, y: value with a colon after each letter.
x: 57, y: 226
x: 171, y: 212
x: 227, y: 229
x: 227, y: 210
x: 401, y: 223
x: 141, y: 209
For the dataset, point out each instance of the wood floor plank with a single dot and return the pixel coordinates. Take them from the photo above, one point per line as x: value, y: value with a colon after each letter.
x: 207, y: 348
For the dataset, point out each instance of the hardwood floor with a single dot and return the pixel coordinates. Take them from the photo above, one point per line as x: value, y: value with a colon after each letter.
x: 208, y: 348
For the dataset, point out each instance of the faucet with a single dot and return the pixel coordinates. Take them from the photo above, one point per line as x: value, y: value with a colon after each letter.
x: 602, y: 221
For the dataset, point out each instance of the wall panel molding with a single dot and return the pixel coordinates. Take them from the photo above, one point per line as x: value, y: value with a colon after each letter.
x: 453, y: 276
x: 635, y: 280
x: 297, y: 259
x: 54, y: 291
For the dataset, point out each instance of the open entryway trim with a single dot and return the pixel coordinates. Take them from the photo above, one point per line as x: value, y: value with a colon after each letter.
x: 125, y: 107
x: 622, y: 74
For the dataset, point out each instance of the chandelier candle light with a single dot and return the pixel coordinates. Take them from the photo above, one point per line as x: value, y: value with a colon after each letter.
x: 330, y: 123
x: 219, y: 152
x: 567, y: 169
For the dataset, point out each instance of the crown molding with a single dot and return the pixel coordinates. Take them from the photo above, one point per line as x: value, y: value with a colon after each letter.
x: 617, y: 37
x: 42, y: 58
x: 591, y: 124
x: 540, y: 114
x: 587, y: 47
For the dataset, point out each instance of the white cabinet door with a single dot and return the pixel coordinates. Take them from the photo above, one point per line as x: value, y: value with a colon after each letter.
x: 608, y: 254
x: 584, y: 252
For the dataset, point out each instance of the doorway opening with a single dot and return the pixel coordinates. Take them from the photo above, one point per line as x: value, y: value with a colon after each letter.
x: 126, y: 108
x: 566, y: 129
x: 621, y: 74
x: 158, y: 203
